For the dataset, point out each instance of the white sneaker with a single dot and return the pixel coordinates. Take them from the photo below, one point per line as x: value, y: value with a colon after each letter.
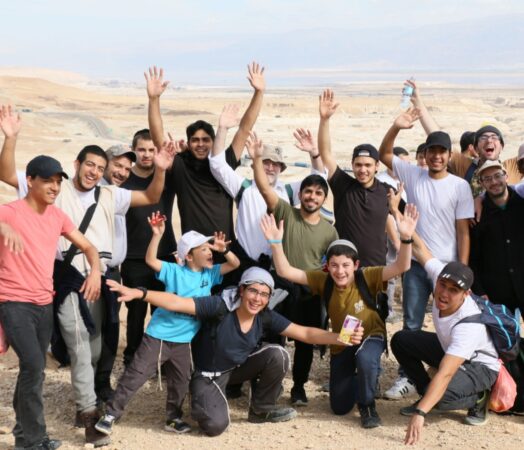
x: 402, y: 388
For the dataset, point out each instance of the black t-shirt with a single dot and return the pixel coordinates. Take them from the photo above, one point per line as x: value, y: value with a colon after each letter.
x: 230, y: 347
x: 360, y: 216
x: 203, y: 204
x: 138, y: 230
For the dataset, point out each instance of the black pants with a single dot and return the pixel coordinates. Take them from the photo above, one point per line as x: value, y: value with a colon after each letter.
x: 268, y: 366
x: 28, y: 329
x: 108, y: 356
x: 412, y: 348
x: 137, y: 273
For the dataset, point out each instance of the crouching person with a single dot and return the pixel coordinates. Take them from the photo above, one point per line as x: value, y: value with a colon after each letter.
x: 463, y: 353
x: 227, y: 348
x: 354, y: 370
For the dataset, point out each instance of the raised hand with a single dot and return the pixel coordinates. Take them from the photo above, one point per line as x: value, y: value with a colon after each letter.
x: 179, y: 145
x: 164, y: 157
x: 408, y: 222
x: 326, y: 104
x: 155, y: 82
x: 305, y: 141
x: 394, y: 198
x: 270, y: 229
x: 256, y: 76
x: 254, y: 145
x: 219, y: 242
x: 229, y: 117
x: 415, y: 96
x: 125, y: 294
x: 407, y: 119
x: 10, y: 122
x: 157, y: 222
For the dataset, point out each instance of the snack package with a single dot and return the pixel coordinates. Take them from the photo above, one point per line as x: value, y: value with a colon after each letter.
x: 349, y: 326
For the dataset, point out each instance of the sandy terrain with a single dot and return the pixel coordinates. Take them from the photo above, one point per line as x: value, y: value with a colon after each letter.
x: 60, y: 119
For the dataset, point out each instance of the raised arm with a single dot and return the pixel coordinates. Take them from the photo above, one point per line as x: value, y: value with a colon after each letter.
x: 306, y: 143
x: 426, y: 119
x: 228, y: 119
x: 404, y: 121
x: 255, y: 149
x: 274, y: 236
x: 406, y: 228
x: 91, y: 286
x: 10, y: 123
x: 158, y: 226
x: 220, y: 245
x: 326, y: 108
x: 163, y: 160
x: 165, y: 300
x: 155, y: 88
x: 258, y: 83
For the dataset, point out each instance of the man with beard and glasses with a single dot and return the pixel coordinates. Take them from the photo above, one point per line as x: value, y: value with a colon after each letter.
x: 306, y: 238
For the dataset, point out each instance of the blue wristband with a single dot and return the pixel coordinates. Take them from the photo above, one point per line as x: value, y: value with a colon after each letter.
x: 274, y: 241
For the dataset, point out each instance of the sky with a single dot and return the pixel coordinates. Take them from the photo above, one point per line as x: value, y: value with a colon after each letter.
x: 200, y: 41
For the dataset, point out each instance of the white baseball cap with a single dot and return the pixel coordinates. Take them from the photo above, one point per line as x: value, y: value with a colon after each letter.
x: 189, y: 241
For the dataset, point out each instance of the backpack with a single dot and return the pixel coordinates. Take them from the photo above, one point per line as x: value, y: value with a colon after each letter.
x: 502, y: 326
x: 246, y: 183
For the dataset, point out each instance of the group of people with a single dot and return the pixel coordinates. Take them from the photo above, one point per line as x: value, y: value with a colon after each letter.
x: 226, y: 296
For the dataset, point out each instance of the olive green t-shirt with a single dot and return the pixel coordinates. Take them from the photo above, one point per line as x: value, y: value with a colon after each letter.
x: 348, y: 301
x: 304, y: 244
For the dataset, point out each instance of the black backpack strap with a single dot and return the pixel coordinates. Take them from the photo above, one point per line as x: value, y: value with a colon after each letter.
x: 245, y: 184
x: 290, y: 195
x: 471, y: 170
x: 82, y: 228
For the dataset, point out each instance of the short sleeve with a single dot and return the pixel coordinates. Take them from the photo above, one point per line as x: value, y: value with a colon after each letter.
x: 278, y: 323
x: 373, y: 276
x: 122, y: 200
x: 282, y: 210
x: 22, y: 184
x: 465, y: 208
x: 216, y: 277
x: 404, y: 170
x: 207, y: 308
x: 316, y: 280
x: 340, y: 180
x: 231, y: 158
x: 433, y: 268
x: 168, y: 275
x: 67, y: 224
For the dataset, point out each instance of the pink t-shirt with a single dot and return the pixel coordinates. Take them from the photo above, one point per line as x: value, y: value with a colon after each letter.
x: 28, y: 277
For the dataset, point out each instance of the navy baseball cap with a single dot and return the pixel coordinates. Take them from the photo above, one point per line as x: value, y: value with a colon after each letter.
x: 45, y: 167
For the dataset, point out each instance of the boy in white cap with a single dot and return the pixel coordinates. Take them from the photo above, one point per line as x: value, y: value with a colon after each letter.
x: 168, y: 336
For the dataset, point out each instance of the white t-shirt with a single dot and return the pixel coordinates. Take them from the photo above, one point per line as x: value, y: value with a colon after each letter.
x: 440, y: 203
x: 470, y: 341
x: 252, y: 205
x: 385, y: 177
x: 122, y: 203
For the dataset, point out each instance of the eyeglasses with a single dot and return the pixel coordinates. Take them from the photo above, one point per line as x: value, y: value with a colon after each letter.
x: 496, y: 177
x: 487, y: 137
x: 254, y: 292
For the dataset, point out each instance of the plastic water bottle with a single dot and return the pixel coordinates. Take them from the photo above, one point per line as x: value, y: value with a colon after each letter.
x: 407, y: 92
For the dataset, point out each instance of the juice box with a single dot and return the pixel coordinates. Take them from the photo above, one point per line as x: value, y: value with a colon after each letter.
x: 349, y: 326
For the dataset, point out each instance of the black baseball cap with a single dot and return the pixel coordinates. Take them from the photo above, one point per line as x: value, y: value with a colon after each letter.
x: 438, y: 139
x: 467, y: 139
x: 365, y: 150
x: 45, y: 167
x: 488, y: 129
x: 459, y: 273
x: 399, y: 151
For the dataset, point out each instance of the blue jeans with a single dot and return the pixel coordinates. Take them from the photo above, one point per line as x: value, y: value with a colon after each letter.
x: 28, y: 329
x: 416, y: 290
x: 347, y: 387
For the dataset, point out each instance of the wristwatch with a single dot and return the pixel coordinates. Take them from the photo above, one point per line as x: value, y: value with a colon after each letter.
x: 419, y: 412
x: 144, y: 292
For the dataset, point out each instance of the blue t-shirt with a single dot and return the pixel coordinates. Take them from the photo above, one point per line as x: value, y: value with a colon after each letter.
x: 173, y: 326
x: 222, y: 346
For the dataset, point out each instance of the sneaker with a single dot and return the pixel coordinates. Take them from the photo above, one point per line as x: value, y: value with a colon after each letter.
x: 277, y: 415
x: 105, y: 424
x: 177, y: 426
x: 46, y: 444
x: 368, y: 416
x: 401, y: 388
x: 298, y: 396
x: 478, y: 415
